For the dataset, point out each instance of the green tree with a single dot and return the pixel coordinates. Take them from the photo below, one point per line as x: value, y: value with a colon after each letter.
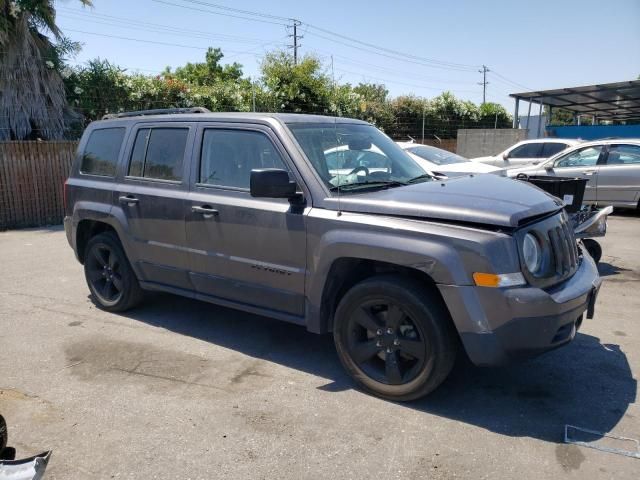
x: 97, y: 88
x: 492, y: 115
x: 208, y: 73
x: 560, y: 116
x: 32, y: 93
x: 372, y: 92
x: 301, y: 88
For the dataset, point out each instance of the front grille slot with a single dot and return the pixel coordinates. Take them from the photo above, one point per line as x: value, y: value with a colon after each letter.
x: 564, y: 248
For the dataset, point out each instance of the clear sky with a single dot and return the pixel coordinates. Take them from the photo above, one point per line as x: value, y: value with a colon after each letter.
x: 436, y: 45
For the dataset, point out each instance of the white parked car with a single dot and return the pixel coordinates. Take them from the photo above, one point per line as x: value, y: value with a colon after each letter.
x: 612, y: 168
x: 439, y: 161
x: 528, y: 152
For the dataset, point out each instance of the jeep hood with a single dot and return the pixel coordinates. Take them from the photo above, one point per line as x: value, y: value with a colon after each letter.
x: 481, y: 199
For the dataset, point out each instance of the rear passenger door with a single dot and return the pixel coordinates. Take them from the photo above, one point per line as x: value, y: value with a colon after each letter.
x: 151, y: 197
x: 549, y: 149
x: 619, y: 176
x: 247, y: 250
x: 523, y: 155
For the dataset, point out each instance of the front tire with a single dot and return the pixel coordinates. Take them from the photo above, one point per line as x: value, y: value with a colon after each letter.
x: 113, y: 284
x: 594, y: 249
x: 395, y: 337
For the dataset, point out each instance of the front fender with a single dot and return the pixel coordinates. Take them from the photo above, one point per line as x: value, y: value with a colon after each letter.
x: 448, y: 254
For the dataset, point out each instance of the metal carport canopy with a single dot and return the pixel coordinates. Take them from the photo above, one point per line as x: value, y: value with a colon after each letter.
x: 608, y: 101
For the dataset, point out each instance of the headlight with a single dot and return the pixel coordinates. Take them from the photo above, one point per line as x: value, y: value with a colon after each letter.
x: 532, y: 253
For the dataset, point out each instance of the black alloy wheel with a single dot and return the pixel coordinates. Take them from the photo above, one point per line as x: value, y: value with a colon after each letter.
x: 385, y: 342
x: 103, y: 271
x: 395, y: 337
x: 111, y: 280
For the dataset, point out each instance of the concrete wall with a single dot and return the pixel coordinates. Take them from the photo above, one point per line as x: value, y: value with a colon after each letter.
x: 480, y: 142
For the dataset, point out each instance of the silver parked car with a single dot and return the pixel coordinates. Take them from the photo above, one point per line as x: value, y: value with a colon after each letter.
x: 611, y: 166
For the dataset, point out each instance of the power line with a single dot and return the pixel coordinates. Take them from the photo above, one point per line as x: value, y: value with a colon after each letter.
x: 116, y: 21
x: 394, y: 52
x: 219, y: 13
x: 511, y: 81
x: 383, y: 54
x: 154, y: 42
x: 236, y: 10
x: 376, y: 49
x: 399, y: 83
x: 393, y: 72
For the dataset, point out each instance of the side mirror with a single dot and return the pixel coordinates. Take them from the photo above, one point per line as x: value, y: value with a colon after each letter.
x: 271, y: 183
x: 505, y: 156
x: 548, y: 167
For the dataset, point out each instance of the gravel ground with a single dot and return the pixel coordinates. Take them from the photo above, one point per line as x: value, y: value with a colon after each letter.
x: 183, y: 389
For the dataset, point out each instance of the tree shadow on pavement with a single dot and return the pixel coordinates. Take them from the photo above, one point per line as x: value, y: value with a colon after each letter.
x: 586, y: 384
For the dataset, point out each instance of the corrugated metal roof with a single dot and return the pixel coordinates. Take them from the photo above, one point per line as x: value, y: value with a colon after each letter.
x: 608, y: 101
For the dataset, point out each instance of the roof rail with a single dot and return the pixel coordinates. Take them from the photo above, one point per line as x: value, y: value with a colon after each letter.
x: 157, y: 111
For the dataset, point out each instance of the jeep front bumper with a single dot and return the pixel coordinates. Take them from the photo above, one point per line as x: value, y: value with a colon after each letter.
x: 499, y: 325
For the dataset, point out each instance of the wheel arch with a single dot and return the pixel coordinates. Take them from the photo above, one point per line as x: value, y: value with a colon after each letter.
x: 345, y: 272
x: 87, y: 229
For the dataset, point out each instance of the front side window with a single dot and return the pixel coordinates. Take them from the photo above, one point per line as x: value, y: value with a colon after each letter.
x: 551, y: 148
x: 528, y: 150
x: 624, y: 155
x: 100, y: 155
x: 158, y: 153
x: 228, y: 156
x: 352, y: 157
x: 585, y: 157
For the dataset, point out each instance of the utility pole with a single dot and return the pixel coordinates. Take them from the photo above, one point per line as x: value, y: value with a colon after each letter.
x: 484, y: 82
x: 296, y: 37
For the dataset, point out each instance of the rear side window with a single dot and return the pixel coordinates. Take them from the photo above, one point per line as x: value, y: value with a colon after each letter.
x: 624, y: 155
x: 528, y: 150
x: 550, y: 149
x: 158, y: 153
x: 228, y: 156
x: 100, y: 156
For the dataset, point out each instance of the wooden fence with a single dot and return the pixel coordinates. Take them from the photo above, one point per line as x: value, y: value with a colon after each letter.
x: 32, y: 176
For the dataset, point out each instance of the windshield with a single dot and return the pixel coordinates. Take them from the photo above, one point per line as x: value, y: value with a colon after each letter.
x: 353, y: 157
x: 437, y: 155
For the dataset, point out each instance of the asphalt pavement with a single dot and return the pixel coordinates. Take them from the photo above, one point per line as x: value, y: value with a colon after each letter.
x: 183, y: 389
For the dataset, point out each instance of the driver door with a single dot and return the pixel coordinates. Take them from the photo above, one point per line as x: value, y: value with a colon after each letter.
x: 581, y: 163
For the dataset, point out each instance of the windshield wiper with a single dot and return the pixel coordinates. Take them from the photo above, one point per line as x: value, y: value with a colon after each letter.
x: 370, y: 184
x: 424, y: 176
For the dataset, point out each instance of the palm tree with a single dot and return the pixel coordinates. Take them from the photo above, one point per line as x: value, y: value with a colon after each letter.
x: 32, y: 95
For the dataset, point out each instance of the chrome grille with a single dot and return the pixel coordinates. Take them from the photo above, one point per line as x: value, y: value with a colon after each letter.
x: 564, y: 248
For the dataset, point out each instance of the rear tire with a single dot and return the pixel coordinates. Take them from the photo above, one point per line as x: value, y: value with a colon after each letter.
x: 113, y: 284
x: 395, y: 337
x: 594, y: 249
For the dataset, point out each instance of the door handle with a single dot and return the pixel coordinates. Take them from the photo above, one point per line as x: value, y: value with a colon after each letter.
x: 128, y: 199
x: 588, y: 173
x: 206, y: 210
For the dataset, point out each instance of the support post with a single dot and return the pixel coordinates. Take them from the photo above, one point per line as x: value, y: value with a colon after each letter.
x: 515, y: 113
x: 539, y: 119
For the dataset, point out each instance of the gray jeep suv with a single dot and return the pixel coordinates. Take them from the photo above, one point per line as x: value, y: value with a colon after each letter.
x: 244, y: 210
